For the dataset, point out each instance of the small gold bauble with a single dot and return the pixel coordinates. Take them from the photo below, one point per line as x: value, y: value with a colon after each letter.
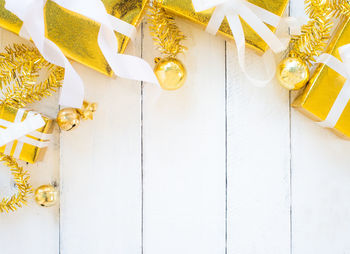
x: 46, y: 195
x: 68, y: 118
x: 171, y: 73
x: 292, y: 73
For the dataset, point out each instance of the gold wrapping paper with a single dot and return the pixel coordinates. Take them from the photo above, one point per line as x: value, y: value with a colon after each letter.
x: 29, y: 152
x: 76, y: 35
x: 184, y: 8
x: 324, y: 86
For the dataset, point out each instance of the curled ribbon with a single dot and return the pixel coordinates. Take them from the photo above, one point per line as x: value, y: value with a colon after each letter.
x: 72, y: 91
x: 255, y: 18
x: 343, y: 68
x: 18, y: 130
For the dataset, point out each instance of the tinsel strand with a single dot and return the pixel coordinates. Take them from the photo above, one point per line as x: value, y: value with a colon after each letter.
x: 340, y: 8
x: 166, y: 34
x: 20, y: 68
x: 315, y: 34
x: 21, y: 178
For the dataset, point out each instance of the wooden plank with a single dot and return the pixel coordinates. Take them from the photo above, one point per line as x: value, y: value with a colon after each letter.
x: 320, y: 184
x: 184, y: 152
x: 101, y: 171
x: 32, y: 228
x: 257, y: 162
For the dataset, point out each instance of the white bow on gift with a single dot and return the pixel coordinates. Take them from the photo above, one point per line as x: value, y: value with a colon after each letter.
x: 343, y: 68
x: 72, y: 92
x: 255, y: 17
x: 18, y: 130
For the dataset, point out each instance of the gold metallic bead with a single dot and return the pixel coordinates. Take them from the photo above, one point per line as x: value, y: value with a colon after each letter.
x: 292, y: 73
x: 171, y: 73
x: 68, y: 118
x: 46, y: 195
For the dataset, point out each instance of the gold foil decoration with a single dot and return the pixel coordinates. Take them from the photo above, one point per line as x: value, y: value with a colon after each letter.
x: 324, y: 86
x: 75, y: 34
x: 29, y: 153
x: 184, y: 8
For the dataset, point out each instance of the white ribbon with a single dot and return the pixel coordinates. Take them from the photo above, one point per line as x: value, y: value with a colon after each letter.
x: 72, y: 91
x: 255, y: 18
x: 343, y: 68
x: 22, y: 131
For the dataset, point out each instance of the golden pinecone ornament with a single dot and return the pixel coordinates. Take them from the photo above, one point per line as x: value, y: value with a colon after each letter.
x: 69, y: 118
x: 293, y: 73
x: 171, y: 73
x: 46, y: 195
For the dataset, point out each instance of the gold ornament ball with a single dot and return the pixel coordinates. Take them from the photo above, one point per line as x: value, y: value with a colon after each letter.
x: 171, y: 73
x: 68, y: 118
x: 293, y: 73
x: 46, y: 195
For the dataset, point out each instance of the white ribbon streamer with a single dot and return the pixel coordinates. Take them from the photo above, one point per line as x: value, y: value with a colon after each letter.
x: 32, y: 14
x: 72, y: 91
x: 18, y: 130
x: 255, y: 18
x: 125, y: 66
x: 343, y: 68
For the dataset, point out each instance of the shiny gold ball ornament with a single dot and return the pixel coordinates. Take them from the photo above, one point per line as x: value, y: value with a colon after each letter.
x: 46, y: 195
x: 293, y: 73
x: 68, y: 118
x: 171, y: 73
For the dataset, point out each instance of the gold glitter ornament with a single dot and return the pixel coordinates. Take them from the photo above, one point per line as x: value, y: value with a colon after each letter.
x: 171, y: 73
x: 69, y: 118
x: 292, y: 73
x: 46, y: 195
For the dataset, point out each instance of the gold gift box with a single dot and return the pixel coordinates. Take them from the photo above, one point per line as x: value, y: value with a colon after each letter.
x: 75, y: 34
x: 325, y: 84
x: 29, y: 152
x: 184, y: 8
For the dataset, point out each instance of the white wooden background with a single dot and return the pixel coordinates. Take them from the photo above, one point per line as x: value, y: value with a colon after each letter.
x: 218, y: 166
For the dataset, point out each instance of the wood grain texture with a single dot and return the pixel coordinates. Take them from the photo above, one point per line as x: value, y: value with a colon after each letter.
x: 257, y: 162
x: 217, y: 167
x: 184, y: 153
x: 101, y: 171
x: 32, y: 228
x: 320, y: 185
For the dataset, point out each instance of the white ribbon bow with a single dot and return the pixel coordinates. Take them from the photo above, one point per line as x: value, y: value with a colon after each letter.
x: 18, y: 130
x: 72, y: 91
x: 343, y: 68
x: 255, y: 18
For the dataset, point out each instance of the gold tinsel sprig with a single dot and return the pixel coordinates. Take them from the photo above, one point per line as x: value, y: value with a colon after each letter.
x: 340, y: 8
x: 20, y: 68
x: 166, y: 34
x: 315, y: 34
x: 21, y: 178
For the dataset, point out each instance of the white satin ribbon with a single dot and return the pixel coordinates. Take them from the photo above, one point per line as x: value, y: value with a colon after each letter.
x: 343, y: 68
x: 72, y: 91
x: 125, y: 66
x: 255, y: 18
x: 32, y: 15
x: 22, y: 131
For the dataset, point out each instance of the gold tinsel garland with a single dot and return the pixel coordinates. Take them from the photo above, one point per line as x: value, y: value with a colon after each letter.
x: 20, y: 68
x: 21, y: 178
x: 316, y: 33
x: 166, y: 34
